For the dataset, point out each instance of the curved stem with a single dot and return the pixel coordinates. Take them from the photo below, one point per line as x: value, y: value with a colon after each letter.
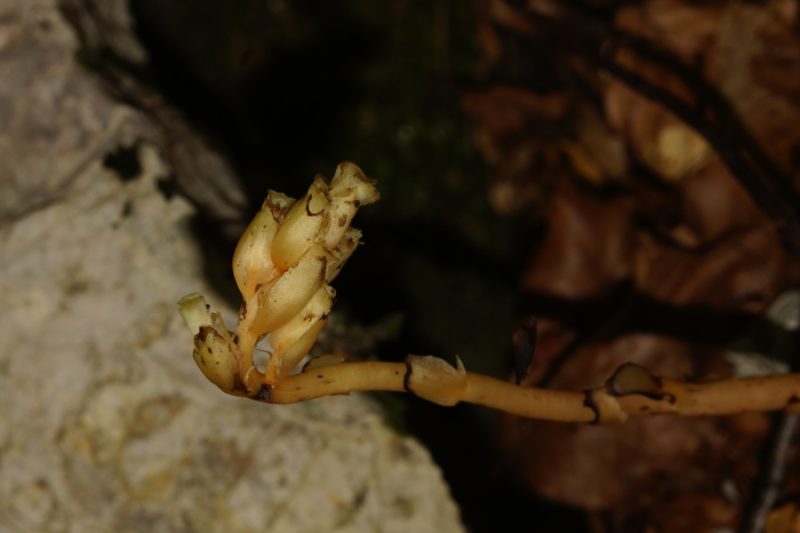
x: 731, y: 396
x: 603, y: 405
x: 340, y: 379
x: 528, y: 402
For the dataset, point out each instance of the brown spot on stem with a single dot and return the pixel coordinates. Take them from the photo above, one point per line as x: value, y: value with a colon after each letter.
x: 407, y: 377
x: 588, y: 401
x: 203, y: 333
x: 243, y: 310
x: 342, y: 221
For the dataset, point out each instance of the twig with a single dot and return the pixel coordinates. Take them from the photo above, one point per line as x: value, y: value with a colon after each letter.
x: 631, y: 391
x: 767, y: 490
x: 776, y: 459
x: 709, y: 113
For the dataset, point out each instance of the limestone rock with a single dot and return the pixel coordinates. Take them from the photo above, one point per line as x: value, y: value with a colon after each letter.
x: 105, y: 423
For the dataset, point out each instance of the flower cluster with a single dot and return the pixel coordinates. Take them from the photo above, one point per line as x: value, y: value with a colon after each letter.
x: 283, y: 265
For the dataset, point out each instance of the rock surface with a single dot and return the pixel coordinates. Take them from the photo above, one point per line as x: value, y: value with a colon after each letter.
x: 105, y: 423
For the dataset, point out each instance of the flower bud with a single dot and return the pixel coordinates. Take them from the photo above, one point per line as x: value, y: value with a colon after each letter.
x: 283, y: 298
x: 252, y: 260
x: 292, y: 341
x: 214, y: 351
x: 347, y: 245
x: 297, y: 351
x: 195, y: 313
x: 215, y: 355
x: 348, y: 190
x: 278, y: 203
x: 304, y: 222
x: 316, y: 309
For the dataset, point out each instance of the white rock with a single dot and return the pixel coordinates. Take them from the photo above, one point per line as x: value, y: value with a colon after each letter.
x: 105, y: 422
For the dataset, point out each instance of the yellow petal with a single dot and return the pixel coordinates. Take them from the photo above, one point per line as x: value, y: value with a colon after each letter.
x: 194, y: 310
x: 302, y: 226
x: 317, y: 308
x: 282, y: 299
x: 349, y: 190
x: 252, y: 260
x: 216, y: 357
x: 295, y: 353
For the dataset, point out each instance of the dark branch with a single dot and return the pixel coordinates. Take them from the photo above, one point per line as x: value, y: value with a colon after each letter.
x: 707, y: 111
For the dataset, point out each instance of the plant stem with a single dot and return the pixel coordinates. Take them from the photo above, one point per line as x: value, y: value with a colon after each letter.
x: 339, y: 379
x: 613, y: 403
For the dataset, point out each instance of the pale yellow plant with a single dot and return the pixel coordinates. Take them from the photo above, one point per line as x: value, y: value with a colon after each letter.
x: 283, y: 265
